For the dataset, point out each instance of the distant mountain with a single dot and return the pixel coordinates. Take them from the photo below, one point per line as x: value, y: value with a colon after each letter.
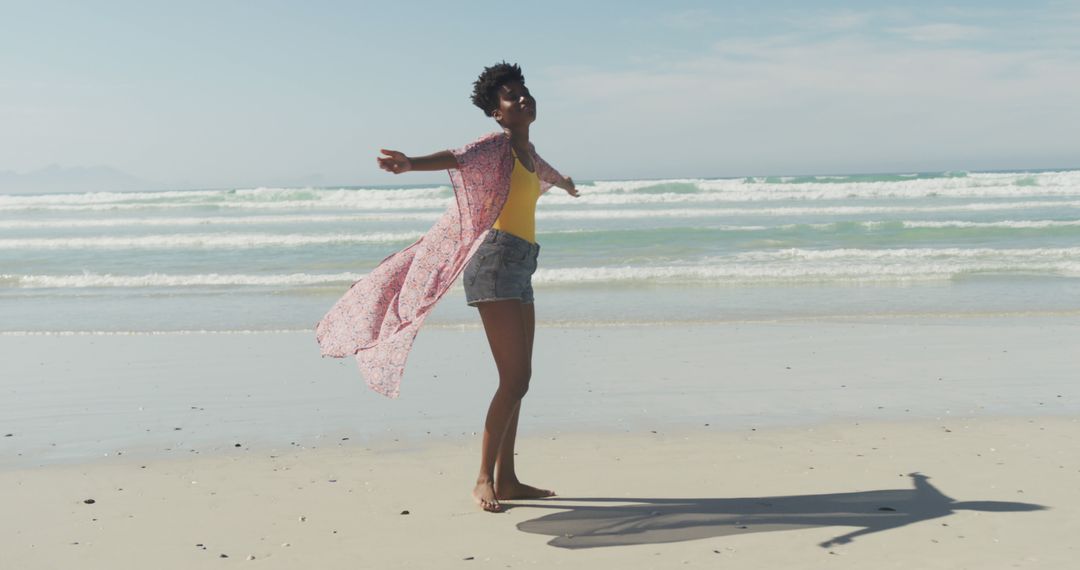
x: 56, y: 178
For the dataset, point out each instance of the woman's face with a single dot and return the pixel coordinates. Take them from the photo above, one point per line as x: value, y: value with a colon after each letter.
x: 516, y: 106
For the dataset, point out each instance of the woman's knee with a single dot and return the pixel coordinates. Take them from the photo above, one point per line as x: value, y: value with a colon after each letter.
x: 517, y: 385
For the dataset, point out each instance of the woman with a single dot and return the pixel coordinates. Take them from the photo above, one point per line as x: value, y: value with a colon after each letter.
x: 490, y: 233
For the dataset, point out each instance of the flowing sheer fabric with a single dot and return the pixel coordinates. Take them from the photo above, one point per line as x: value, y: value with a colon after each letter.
x: 379, y: 316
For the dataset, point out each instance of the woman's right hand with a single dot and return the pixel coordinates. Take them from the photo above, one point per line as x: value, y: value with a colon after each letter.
x: 394, y: 161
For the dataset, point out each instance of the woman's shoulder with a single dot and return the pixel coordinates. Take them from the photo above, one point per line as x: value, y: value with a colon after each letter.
x: 486, y: 144
x: 492, y: 138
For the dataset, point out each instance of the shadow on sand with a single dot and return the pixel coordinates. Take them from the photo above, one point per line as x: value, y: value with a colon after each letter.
x: 651, y: 521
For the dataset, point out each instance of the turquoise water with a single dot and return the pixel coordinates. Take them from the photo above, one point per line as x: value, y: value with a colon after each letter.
x: 951, y: 243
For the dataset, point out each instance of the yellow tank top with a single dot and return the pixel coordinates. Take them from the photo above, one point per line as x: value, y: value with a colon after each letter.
x: 518, y: 215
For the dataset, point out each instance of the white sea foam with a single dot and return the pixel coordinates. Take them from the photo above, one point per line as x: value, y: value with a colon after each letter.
x: 206, y: 241
x: 248, y: 199
x: 625, y: 186
x: 237, y: 195
x: 909, y: 183
x: 690, y: 191
x: 1007, y: 224
x: 629, y: 199
x: 707, y: 196
x: 750, y: 274
x: 342, y: 204
x: 1037, y: 182
x: 790, y: 266
x: 219, y: 221
x: 1012, y: 256
x: 152, y: 333
x: 550, y: 214
x: 612, y: 214
x: 275, y: 240
x: 1008, y: 182
x: 91, y: 280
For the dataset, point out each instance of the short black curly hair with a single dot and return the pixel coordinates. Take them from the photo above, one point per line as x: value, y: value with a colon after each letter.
x: 486, y: 87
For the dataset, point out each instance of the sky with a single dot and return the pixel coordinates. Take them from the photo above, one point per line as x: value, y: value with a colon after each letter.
x: 201, y: 94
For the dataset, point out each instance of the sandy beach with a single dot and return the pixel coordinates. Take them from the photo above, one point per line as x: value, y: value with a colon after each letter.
x: 806, y: 280
x: 897, y: 443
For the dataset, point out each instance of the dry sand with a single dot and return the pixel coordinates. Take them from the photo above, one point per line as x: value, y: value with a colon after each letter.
x: 989, y: 494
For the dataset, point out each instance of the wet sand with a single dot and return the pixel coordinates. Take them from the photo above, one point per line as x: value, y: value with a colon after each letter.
x: 892, y: 443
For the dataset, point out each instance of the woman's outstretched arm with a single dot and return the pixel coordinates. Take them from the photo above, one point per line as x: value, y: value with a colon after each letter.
x: 567, y: 184
x: 551, y: 176
x: 397, y: 162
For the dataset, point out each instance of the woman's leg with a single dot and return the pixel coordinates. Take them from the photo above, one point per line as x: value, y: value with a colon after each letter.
x: 504, y: 323
x: 507, y: 485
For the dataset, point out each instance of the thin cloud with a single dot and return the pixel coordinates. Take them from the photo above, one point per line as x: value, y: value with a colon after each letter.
x: 688, y: 19
x: 939, y: 32
x: 846, y: 20
x: 830, y: 22
x: 845, y: 103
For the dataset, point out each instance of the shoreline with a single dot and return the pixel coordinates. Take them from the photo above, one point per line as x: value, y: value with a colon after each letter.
x: 76, y: 398
x: 414, y: 444
x: 914, y: 318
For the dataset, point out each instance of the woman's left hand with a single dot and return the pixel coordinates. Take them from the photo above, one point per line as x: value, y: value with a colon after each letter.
x: 568, y: 185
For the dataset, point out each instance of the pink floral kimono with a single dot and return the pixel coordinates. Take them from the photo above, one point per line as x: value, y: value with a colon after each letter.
x: 378, y: 317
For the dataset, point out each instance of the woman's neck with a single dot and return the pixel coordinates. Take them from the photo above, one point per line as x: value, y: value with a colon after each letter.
x: 519, y: 137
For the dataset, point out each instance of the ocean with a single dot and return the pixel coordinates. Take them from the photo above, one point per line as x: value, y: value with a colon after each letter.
x: 955, y: 244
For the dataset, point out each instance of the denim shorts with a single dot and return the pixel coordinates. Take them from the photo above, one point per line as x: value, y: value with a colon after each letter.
x: 501, y: 269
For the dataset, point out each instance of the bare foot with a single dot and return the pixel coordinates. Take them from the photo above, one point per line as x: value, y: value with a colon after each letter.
x: 519, y: 490
x: 484, y: 493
